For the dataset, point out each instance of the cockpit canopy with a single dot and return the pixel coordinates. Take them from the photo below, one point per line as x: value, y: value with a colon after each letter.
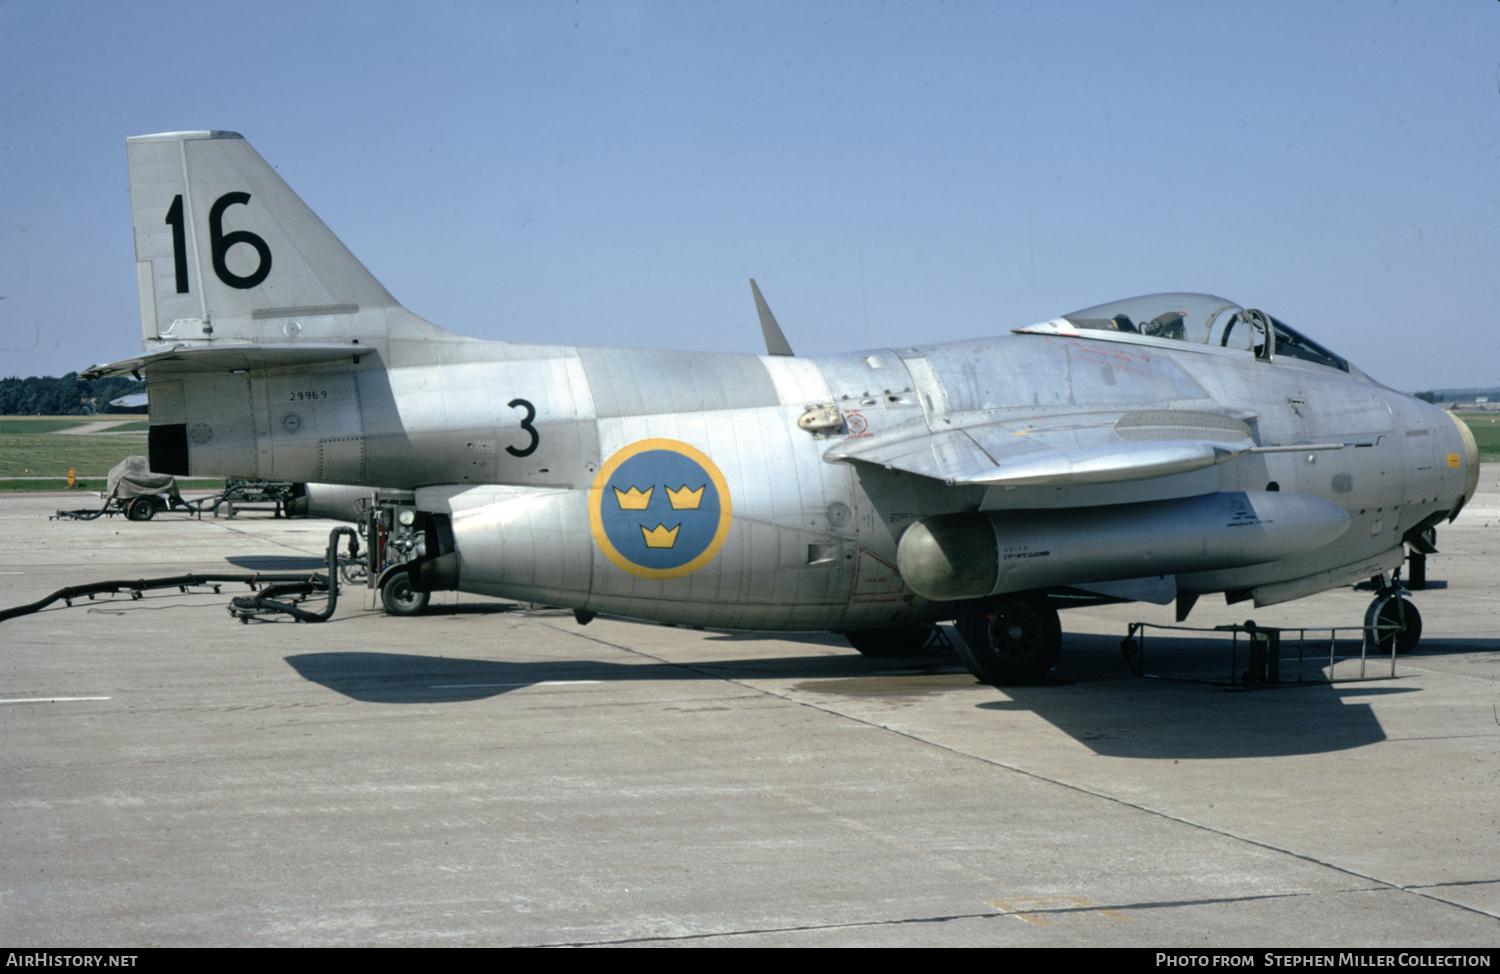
x: 1199, y: 318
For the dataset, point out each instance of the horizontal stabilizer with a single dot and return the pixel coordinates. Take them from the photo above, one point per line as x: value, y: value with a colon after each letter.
x: 230, y: 358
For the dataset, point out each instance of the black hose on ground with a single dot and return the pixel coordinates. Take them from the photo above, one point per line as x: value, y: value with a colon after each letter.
x: 272, y: 599
x: 279, y: 585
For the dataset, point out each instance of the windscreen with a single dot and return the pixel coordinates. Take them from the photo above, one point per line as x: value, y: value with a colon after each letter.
x: 1208, y: 320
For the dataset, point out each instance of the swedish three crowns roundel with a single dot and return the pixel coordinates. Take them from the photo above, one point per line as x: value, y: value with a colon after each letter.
x: 659, y: 509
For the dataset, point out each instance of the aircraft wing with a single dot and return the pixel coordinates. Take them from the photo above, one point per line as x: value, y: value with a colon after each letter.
x: 1077, y: 449
x: 230, y: 358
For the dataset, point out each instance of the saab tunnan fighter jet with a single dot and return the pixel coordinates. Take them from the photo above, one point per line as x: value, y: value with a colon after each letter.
x: 1158, y: 448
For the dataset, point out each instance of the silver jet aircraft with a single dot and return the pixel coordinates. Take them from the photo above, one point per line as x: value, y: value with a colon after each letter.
x: 1158, y: 448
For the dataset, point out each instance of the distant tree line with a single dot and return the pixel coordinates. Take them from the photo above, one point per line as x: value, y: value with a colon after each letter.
x: 1457, y: 395
x: 68, y: 396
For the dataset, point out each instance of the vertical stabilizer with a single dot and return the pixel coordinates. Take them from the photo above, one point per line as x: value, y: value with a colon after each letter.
x: 226, y: 251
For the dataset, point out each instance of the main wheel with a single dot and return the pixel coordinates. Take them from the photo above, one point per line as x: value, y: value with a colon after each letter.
x: 1010, y: 638
x: 399, y: 598
x: 141, y: 509
x: 884, y: 643
x: 1399, y: 621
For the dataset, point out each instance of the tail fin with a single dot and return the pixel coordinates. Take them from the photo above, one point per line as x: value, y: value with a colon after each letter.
x: 225, y: 250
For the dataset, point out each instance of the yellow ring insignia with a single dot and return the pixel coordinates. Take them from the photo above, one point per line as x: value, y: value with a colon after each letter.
x: 659, y: 509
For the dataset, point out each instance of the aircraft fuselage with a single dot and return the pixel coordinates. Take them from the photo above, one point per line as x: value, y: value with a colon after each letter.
x: 509, y: 442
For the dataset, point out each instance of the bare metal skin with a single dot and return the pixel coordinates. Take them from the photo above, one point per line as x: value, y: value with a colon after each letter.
x: 1163, y: 447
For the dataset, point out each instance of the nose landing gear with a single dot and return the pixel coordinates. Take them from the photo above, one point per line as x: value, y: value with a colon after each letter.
x: 1392, y: 619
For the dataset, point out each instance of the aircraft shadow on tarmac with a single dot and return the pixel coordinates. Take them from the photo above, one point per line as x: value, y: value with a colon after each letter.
x: 278, y: 563
x: 1091, y: 696
x: 409, y: 678
x: 1188, y: 712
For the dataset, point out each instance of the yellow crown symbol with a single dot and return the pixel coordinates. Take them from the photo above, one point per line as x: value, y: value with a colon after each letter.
x: 633, y: 499
x: 659, y: 536
x: 685, y: 500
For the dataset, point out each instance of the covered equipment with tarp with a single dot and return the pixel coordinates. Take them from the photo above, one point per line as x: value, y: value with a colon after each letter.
x: 132, y: 477
x: 134, y: 491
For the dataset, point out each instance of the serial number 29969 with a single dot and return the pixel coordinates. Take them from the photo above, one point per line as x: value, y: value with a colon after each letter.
x: 307, y: 394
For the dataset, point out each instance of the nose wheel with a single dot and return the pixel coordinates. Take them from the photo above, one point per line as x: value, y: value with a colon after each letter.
x: 1394, y: 622
x: 1009, y: 639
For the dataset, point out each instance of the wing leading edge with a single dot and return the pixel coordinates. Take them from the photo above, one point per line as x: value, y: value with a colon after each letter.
x: 1097, y: 448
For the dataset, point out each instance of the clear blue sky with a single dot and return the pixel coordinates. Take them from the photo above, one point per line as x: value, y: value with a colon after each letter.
x: 611, y: 173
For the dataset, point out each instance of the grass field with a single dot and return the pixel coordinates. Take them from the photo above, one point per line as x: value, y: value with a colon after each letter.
x: 91, y: 487
x: 35, y: 447
x: 1486, y: 429
x: 30, y: 426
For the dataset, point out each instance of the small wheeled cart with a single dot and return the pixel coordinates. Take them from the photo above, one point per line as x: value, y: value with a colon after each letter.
x: 134, y: 491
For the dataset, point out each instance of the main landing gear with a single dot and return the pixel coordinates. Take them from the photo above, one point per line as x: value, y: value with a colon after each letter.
x: 1009, y: 639
x: 1393, y: 619
x: 1015, y: 639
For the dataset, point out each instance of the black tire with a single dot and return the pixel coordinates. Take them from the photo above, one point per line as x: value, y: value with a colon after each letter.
x: 1010, y: 639
x: 886, y: 643
x: 399, y: 598
x: 141, y: 509
x: 1394, y: 611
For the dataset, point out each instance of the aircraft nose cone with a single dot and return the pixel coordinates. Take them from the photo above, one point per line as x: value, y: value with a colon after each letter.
x: 1470, y: 456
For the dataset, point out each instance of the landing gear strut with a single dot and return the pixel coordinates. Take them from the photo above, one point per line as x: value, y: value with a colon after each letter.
x: 1009, y: 639
x: 1398, y: 621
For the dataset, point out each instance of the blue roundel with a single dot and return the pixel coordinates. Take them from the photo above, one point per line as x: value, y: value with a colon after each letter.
x: 660, y: 509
